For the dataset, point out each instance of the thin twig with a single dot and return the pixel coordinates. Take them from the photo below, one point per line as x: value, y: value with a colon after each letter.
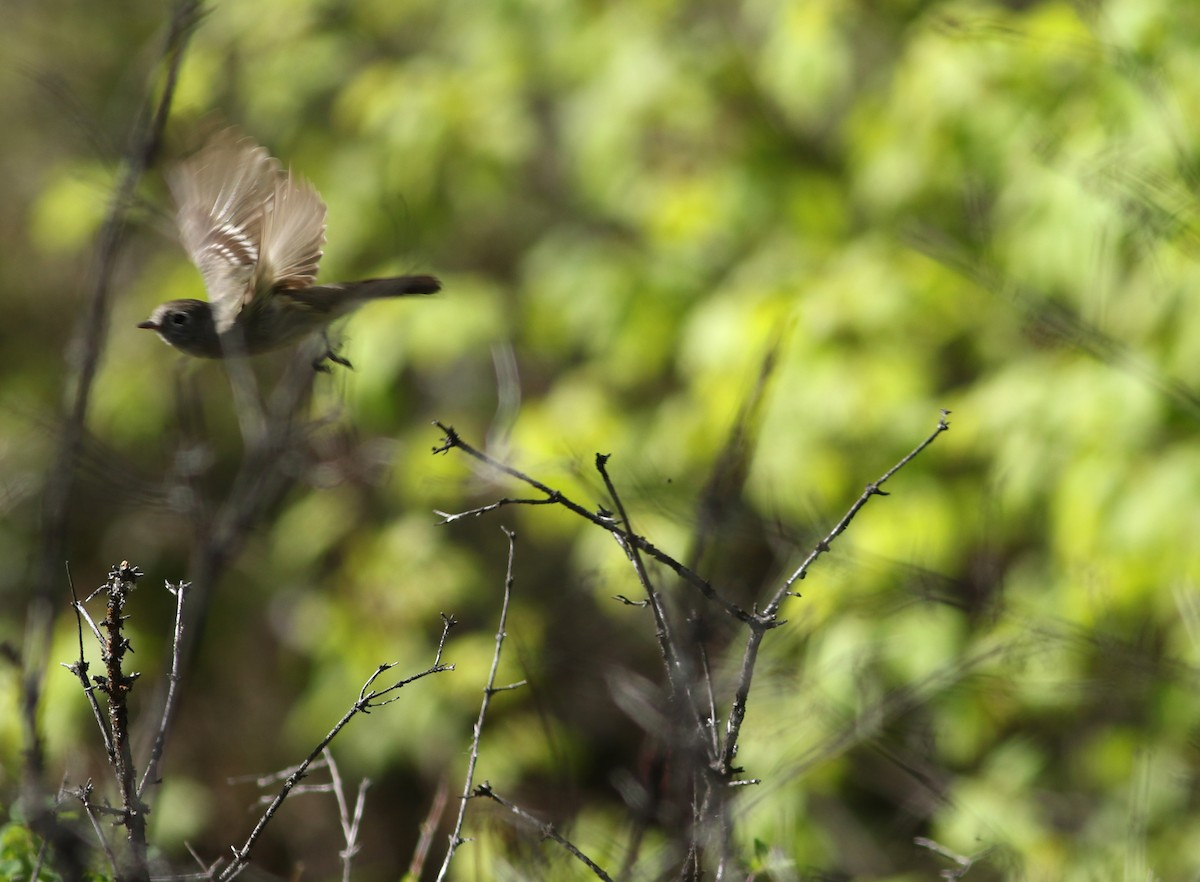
x: 428, y: 828
x: 207, y: 871
x: 150, y: 774
x: 80, y: 668
x: 710, y: 721
x: 872, y: 489
x: 964, y: 862
x: 450, y: 518
x: 368, y: 700
x: 453, y: 440
x: 350, y: 821
x: 266, y: 472
x: 547, y: 831
x: 84, y: 795
x: 488, y: 691
x: 662, y: 628
x: 35, y: 873
x: 767, y: 618
x: 687, y: 735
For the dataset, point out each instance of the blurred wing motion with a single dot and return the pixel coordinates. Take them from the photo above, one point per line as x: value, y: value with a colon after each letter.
x: 292, y: 235
x: 248, y: 226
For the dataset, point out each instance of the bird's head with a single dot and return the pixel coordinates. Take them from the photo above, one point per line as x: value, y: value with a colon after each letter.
x: 188, y: 326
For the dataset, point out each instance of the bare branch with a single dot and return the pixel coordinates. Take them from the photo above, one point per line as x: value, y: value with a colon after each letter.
x: 84, y: 795
x: 368, y: 700
x: 117, y: 685
x: 546, y: 831
x: 452, y: 441
x: 350, y: 821
x: 488, y: 691
x: 963, y: 863
x: 80, y: 668
x: 428, y: 827
x: 766, y: 619
x: 873, y: 489
x: 662, y: 627
x: 150, y: 774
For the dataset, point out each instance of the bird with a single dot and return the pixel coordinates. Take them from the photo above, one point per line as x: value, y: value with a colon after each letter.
x: 256, y: 232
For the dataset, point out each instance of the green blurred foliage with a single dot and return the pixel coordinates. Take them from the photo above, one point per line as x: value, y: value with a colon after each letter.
x: 19, y: 855
x: 987, y: 207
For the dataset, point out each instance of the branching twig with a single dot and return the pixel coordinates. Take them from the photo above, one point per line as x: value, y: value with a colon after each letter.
x: 873, y: 489
x: 662, y: 627
x: 368, y: 700
x: 84, y: 795
x: 116, y: 685
x: 267, y: 470
x: 708, y: 779
x: 547, y: 831
x: 453, y: 441
x: 80, y: 668
x: 350, y: 821
x: 687, y: 732
x: 737, y: 712
x: 488, y: 691
x: 449, y: 518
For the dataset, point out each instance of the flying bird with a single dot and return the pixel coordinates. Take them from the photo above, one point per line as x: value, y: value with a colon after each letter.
x: 256, y: 232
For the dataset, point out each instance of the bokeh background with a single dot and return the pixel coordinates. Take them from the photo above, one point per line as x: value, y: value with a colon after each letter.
x: 986, y: 207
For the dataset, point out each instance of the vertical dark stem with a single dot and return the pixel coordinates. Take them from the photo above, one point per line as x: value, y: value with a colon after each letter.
x: 117, y: 685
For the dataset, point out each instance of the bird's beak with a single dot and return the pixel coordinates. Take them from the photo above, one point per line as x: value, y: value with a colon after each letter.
x: 149, y: 325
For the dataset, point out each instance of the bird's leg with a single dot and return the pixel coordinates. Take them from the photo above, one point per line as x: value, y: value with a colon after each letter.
x: 319, y: 363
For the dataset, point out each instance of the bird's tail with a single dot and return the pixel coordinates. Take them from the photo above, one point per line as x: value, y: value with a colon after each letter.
x: 398, y: 286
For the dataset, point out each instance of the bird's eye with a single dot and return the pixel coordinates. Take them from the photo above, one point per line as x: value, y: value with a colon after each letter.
x: 179, y: 318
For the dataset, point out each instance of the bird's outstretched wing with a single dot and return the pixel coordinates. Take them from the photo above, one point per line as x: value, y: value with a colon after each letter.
x: 248, y: 226
x: 293, y: 233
